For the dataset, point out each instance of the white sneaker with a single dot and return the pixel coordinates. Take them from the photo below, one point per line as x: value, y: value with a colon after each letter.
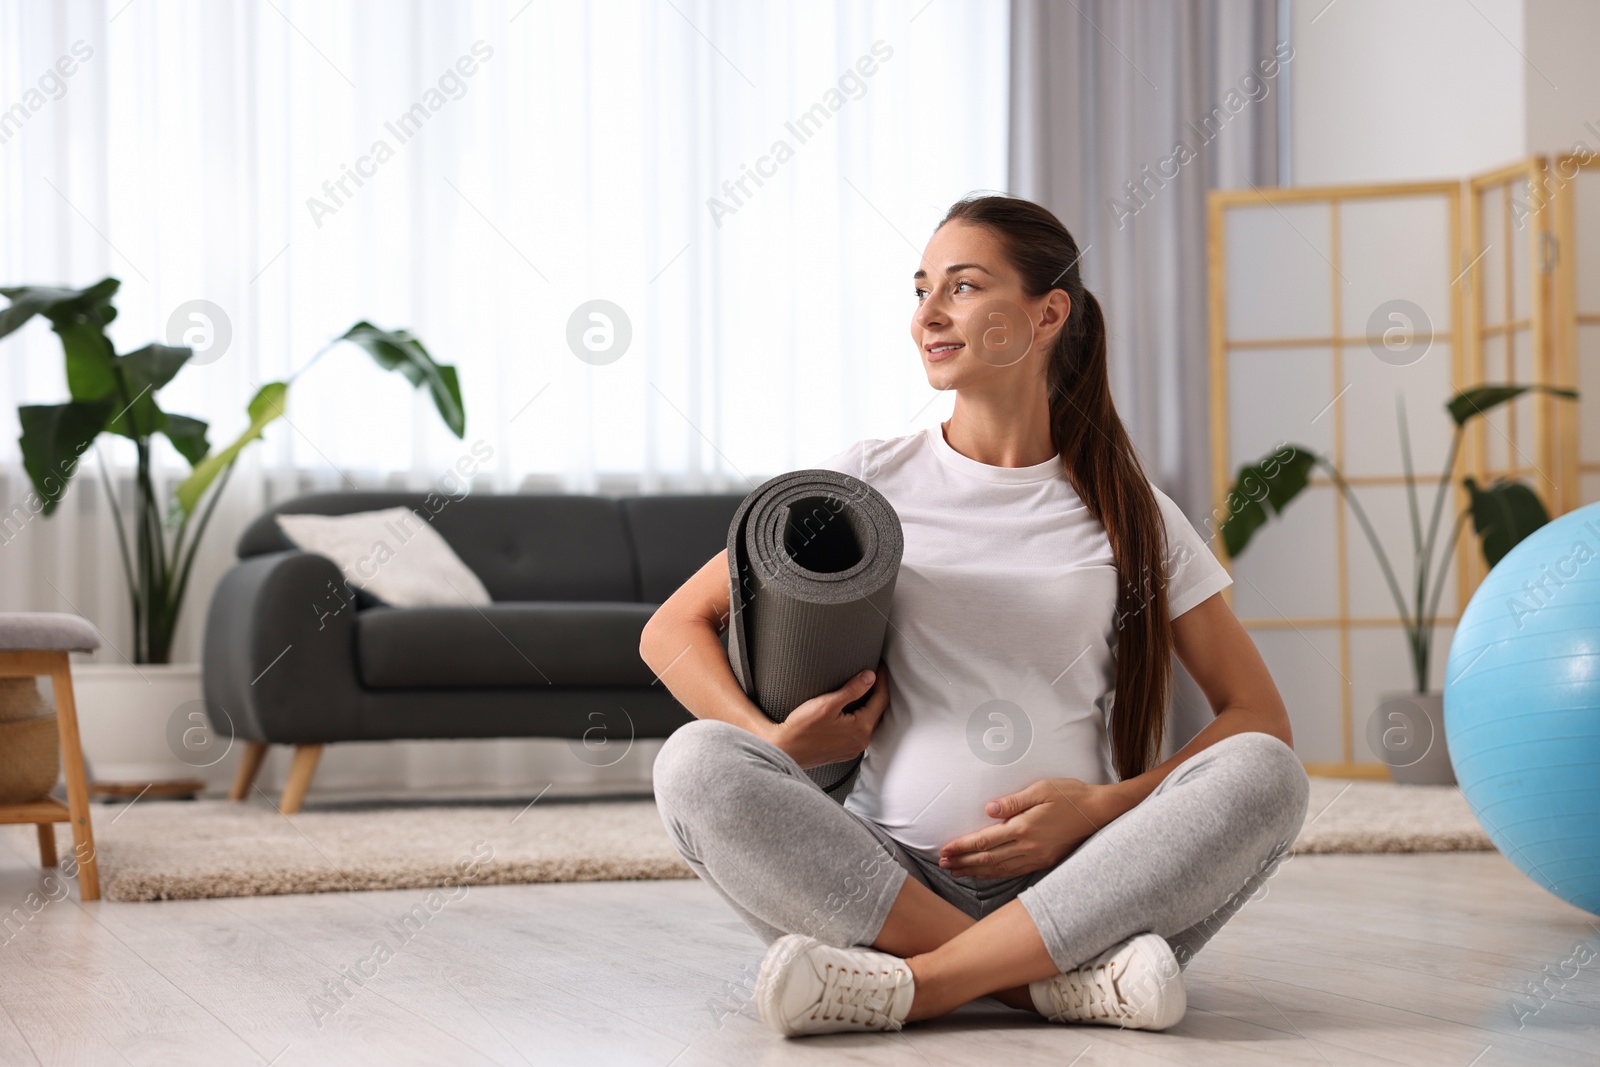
x: 1136, y: 985
x: 806, y: 987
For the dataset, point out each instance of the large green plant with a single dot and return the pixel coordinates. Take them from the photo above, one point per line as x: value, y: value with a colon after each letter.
x: 118, y: 395
x: 1502, y: 513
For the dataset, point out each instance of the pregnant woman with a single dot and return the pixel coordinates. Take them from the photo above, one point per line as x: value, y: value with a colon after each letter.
x: 1013, y: 831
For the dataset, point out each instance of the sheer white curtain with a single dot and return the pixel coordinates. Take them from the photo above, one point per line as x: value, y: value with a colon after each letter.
x: 750, y: 183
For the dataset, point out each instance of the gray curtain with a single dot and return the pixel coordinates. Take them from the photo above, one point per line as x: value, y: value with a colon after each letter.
x: 1123, y: 114
x: 1102, y: 94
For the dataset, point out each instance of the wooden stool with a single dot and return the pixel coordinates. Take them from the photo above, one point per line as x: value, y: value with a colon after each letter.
x: 34, y: 644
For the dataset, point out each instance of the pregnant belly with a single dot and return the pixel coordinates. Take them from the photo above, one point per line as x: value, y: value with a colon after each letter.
x: 929, y: 784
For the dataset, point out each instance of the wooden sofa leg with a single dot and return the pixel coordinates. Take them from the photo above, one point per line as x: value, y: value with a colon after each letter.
x: 47, y: 844
x: 300, y: 772
x: 249, y: 767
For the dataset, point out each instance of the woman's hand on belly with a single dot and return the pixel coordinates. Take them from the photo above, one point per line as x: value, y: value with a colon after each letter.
x: 1039, y: 827
x: 820, y: 731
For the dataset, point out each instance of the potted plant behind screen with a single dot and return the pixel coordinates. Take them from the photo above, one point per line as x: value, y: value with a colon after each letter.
x: 1406, y: 730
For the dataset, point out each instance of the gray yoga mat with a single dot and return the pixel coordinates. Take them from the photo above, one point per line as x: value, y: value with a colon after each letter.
x: 812, y: 561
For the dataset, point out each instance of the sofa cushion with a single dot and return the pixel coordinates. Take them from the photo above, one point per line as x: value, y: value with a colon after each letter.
x: 674, y: 536
x: 503, y: 644
x: 521, y: 546
x: 393, y: 554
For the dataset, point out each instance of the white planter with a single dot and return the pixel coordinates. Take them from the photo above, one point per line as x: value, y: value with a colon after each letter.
x: 146, y: 723
x: 1406, y: 731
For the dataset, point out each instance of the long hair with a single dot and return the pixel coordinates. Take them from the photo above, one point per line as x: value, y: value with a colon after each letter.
x: 1102, y: 466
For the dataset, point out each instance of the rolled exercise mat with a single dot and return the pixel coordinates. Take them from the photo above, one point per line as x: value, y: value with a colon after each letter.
x: 812, y: 561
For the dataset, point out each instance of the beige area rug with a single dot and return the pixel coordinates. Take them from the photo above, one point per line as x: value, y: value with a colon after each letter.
x: 211, y: 848
x: 188, y: 850
x: 1355, y: 816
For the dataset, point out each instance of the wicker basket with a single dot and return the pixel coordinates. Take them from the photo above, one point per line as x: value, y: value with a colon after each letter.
x: 30, y: 746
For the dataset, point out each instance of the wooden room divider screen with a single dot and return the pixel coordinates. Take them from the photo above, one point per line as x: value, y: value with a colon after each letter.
x: 1574, y: 181
x: 1330, y: 309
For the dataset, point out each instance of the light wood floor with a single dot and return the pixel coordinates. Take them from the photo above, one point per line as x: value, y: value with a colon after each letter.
x: 1345, y: 960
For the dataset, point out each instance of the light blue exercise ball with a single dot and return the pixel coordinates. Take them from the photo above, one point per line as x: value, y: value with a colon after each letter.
x: 1522, y: 706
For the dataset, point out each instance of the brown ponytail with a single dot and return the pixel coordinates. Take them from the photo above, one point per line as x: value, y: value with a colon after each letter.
x: 1101, y: 464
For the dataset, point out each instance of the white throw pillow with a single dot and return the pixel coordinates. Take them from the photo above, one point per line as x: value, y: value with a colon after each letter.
x: 394, y: 554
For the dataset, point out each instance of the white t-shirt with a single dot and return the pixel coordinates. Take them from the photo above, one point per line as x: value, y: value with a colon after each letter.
x: 1001, y: 634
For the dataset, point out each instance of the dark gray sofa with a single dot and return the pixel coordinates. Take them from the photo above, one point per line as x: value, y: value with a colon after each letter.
x: 293, y: 655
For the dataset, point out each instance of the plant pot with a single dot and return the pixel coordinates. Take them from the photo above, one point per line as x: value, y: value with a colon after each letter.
x: 1406, y: 731
x: 147, y: 723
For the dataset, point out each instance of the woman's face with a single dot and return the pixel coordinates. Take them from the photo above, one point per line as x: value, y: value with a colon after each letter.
x: 973, y: 323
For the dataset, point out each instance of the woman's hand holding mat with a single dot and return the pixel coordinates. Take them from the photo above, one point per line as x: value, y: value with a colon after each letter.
x: 821, y: 731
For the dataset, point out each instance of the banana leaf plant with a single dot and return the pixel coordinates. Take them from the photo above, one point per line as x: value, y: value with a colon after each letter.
x: 1502, y: 513
x: 117, y: 394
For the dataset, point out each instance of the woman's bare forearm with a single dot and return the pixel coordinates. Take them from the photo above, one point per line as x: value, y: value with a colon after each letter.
x: 1272, y: 720
x: 687, y: 656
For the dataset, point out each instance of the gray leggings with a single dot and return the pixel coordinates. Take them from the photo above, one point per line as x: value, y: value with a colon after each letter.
x: 789, y: 859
